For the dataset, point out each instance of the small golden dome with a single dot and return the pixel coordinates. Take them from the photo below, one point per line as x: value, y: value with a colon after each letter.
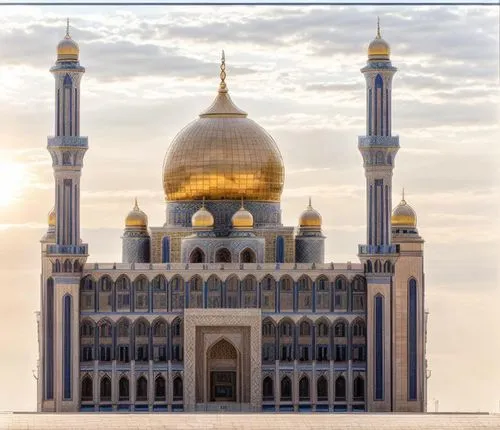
x: 242, y: 219
x: 136, y: 218
x: 67, y: 49
x: 378, y: 49
x: 404, y: 215
x: 223, y: 155
x: 52, y: 218
x: 310, y: 217
x: 202, y: 218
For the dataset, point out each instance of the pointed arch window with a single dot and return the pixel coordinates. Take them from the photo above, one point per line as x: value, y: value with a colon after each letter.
x: 322, y: 389
x: 105, y: 294
x: 123, y: 294
x: 87, y: 389
x: 160, y: 389
x: 232, y: 292
x: 358, y: 389
x: 142, y: 389
x: 105, y: 389
x: 141, y: 287
x: 214, y: 287
x: 159, y: 285
x: 177, y: 291
x: 340, y: 294
x: 304, y: 389
x: 249, y: 292
x: 286, y: 389
x: 340, y: 389
x: 286, y: 294
x: 268, y: 389
x: 197, y: 256
x: 178, y: 389
x: 123, y: 389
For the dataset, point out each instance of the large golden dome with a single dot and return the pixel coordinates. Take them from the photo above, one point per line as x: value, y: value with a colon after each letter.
x: 223, y: 155
x: 378, y: 49
x: 404, y: 215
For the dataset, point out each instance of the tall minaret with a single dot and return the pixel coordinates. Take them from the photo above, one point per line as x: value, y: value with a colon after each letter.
x: 378, y: 149
x: 65, y: 254
x: 66, y: 147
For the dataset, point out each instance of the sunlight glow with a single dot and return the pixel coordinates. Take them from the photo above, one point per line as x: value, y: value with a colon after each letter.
x: 12, y: 182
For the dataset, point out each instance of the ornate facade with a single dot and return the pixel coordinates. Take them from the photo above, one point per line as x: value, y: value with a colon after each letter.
x: 223, y: 307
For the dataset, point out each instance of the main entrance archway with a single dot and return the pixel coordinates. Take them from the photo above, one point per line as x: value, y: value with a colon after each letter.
x: 223, y: 372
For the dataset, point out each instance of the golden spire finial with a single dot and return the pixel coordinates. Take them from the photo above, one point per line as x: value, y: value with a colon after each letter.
x: 310, y: 204
x: 203, y: 202
x: 222, y: 85
x: 242, y: 207
x: 67, y: 29
x: 378, y: 28
x: 136, y: 206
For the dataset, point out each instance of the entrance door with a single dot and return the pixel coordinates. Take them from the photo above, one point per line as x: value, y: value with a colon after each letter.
x: 222, y: 386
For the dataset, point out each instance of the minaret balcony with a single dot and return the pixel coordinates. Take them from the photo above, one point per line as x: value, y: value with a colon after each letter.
x: 378, y: 141
x: 64, y: 66
x: 378, y: 249
x: 67, y: 249
x: 68, y: 141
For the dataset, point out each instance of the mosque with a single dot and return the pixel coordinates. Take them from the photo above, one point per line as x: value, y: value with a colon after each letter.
x: 224, y: 308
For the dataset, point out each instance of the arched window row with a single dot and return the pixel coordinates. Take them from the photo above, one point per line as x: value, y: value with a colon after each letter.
x: 124, y: 389
x: 319, y: 341
x: 128, y: 340
x: 271, y: 295
x: 322, y: 281
x: 305, y: 387
x: 66, y: 266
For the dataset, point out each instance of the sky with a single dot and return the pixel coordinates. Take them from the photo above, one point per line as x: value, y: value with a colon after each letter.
x: 296, y: 71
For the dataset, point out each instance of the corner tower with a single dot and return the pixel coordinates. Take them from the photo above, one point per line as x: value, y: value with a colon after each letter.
x: 409, y: 327
x: 378, y: 148
x: 65, y: 257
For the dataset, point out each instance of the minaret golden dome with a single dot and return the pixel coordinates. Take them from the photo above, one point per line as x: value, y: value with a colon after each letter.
x: 67, y: 48
x: 136, y: 218
x: 242, y: 219
x: 378, y: 49
x: 52, y: 218
x: 202, y: 218
x: 223, y: 155
x: 403, y: 215
x: 310, y: 217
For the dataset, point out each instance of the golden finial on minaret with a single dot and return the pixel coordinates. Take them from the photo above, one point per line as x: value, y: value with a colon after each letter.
x: 378, y: 49
x: 67, y: 49
x: 136, y: 206
x: 222, y: 85
x: 310, y: 204
x: 403, y: 195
